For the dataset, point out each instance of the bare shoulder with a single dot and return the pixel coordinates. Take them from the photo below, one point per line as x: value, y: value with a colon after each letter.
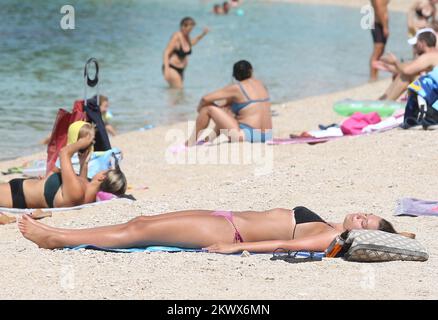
x: 176, y: 36
x: 433, y: 55
x: 261, y: 84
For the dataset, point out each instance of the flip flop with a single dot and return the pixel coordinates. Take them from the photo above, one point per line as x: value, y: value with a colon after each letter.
x: 293, y: 256
x: 13, y: 170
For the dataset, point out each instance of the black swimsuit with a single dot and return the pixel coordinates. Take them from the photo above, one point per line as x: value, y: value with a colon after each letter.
x: 51, y: 187
x: 304, y: 215
x: 181, y: 54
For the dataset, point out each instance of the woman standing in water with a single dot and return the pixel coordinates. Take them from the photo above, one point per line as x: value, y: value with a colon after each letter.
x: 175, y: 58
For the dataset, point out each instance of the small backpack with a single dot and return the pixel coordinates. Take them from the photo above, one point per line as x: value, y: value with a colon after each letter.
x: 422, y: 106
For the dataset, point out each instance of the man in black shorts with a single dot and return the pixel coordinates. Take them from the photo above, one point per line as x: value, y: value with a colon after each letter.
x: 380, y: 33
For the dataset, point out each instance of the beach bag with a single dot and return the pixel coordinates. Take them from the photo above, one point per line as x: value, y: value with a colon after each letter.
x: 376, y: 246
x: 420, y: 111
x: 354, y: 124
x: 92, y: 109
x: 58, y: 138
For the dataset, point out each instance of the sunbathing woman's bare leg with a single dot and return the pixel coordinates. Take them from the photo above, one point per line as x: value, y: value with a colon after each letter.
x: 183, y: 230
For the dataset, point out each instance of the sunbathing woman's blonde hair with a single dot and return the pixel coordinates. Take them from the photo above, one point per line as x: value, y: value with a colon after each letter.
x: 115, y: 181
x: 85, y: 130
x: 385, y: 225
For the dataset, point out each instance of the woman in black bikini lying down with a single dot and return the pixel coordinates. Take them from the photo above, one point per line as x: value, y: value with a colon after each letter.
x: 63, y: 188
x: 216, y: 231
x: 175, y: 58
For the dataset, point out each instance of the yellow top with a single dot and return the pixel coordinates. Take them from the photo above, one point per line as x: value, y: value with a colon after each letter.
x: 73, y: 131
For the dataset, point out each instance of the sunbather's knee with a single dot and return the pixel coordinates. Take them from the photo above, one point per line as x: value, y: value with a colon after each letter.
x: 136, y: 224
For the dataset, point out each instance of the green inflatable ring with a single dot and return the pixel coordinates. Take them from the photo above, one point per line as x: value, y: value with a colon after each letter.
x: 383, y: 108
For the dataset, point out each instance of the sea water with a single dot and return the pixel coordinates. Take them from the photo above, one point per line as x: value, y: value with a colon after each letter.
x: 297, y: 50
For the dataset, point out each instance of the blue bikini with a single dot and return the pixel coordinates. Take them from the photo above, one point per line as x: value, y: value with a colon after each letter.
x: 251, y: 134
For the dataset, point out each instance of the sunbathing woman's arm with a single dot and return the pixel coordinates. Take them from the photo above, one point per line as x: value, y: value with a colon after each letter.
x: 84, y: 158
x: 72, y: 189
x: 314, y: 243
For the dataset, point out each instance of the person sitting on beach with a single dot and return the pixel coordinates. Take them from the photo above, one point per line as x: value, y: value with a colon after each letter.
x: 214, y: 231
x: 245, y: 113
x: 175, y: 58
x: 62, y: 187
x: 425, y: 45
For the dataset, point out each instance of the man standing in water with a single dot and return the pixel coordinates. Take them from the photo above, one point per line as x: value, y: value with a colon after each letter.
x: 380, y: 33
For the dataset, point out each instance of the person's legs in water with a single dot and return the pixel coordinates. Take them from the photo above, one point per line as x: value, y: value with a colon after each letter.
x: 222, y: 120
x: 174, y: 79
x: 397, y: 87
x: 378, y: 50
x: 184, y: 229
x: 379, y: 41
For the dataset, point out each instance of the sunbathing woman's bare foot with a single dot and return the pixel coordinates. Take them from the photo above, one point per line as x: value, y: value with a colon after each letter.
x: 39, y: 214
x: 37, y: 232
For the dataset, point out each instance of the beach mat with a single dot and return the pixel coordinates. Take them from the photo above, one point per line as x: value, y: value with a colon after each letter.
x: 27, y: 211
x: 386, y: 125
x: 416, y: 207
x: 131, y: 250
x: 303, y: 254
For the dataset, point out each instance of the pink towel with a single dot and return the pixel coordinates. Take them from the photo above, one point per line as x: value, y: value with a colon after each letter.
x: 354, y: 124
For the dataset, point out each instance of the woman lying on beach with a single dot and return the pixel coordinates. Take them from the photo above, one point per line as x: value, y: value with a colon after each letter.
x: 63, y: 188
x: 175, y: 58
x: 216, y: 231
x: 246, y: 113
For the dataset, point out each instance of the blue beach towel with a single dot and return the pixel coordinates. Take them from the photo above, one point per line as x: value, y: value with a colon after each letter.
x: 303, y: 254
x: 131, y: 250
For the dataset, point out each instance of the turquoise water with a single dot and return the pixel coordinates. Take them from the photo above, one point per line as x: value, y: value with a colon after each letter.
x: 297, y: 50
